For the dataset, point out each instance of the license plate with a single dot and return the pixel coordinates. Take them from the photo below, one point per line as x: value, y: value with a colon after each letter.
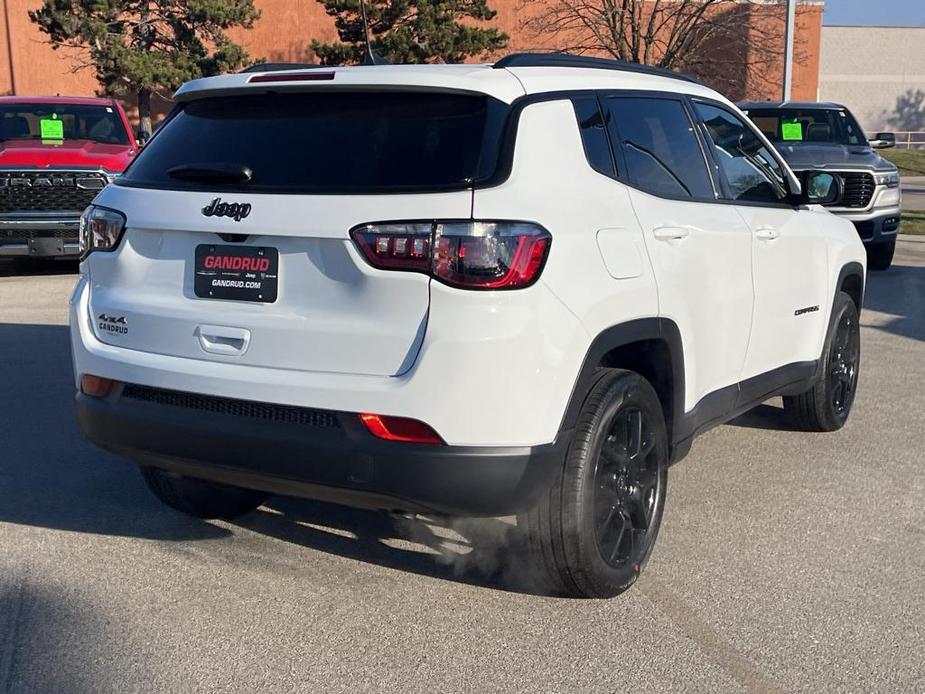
x: 46, y: 246
x: 239, y: 273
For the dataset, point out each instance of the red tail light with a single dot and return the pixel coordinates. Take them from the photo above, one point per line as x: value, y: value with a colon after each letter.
x: 400, y: 429
x: 471, y: 255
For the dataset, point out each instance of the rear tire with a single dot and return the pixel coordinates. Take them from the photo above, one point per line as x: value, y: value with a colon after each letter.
x: 593, y: 533
x: 880, y: 255
x: 200, y: 498
x: 826, y: 406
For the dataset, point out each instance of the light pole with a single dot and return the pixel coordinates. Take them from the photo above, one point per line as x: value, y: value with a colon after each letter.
x: 788, y: 49
x: 9, y: 46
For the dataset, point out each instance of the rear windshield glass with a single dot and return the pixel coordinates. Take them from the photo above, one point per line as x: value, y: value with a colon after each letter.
x: 50, y: 122
x: 817, y: 125
x: 330, y: 142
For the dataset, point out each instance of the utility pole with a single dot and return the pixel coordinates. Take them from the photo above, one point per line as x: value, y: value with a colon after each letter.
x: 788, y: 49
x: 369, y: 58
x: 9, y: 46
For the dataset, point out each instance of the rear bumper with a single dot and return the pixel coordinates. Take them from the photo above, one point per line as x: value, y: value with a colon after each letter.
x: 326, y: 455
x: 477, y: 346
x: 39, y: 236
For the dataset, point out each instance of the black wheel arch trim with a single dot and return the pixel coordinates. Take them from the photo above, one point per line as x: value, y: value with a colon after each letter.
x: 852, y: 269
x: 623, y: 335
x: 712, y: 410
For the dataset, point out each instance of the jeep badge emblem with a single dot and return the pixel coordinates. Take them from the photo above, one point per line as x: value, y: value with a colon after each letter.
x: 236, y: 210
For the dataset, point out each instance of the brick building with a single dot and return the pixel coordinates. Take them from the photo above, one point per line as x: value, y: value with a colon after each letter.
x: 29, y: 65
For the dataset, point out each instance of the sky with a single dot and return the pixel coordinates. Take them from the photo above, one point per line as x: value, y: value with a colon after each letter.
x: 875, y: 12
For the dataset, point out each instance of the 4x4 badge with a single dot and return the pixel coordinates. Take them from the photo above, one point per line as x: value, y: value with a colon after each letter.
x: 113, y: 324
x: 236, y: 210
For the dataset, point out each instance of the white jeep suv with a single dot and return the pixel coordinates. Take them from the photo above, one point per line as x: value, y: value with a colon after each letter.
x: 519, y: 288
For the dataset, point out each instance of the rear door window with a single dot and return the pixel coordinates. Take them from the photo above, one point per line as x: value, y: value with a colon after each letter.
x: 594, y: 135
x: 660, y: 147
x: 328, y: 142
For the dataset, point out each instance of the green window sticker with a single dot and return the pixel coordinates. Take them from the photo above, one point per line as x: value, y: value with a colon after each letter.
x: 52, y: 128
x: 792, y: 131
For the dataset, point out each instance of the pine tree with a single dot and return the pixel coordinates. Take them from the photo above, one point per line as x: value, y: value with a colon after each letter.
x: 142, y: 46
x: 410, y: 31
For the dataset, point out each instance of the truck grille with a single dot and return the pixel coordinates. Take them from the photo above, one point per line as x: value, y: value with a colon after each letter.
x: 284, y: 414
x: 49, y: 191
x: 26, y: 235
x: 859, y: 189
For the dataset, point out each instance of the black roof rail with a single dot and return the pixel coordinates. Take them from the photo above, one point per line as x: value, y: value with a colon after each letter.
x: 278, y: 67
x: 586, y: 61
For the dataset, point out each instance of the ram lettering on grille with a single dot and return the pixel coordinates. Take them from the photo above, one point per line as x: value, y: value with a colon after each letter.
x: 30, y: 191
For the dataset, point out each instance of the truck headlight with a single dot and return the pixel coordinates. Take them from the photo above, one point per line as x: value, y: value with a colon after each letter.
x: 100, y: 229
x: 890, y: 180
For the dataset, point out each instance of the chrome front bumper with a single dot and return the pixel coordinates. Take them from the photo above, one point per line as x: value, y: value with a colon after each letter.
x: 879, y: 221
x: 39, y: 236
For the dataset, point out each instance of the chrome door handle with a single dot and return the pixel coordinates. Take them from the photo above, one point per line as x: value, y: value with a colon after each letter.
x: 767, y: 233
x: 671, y: 233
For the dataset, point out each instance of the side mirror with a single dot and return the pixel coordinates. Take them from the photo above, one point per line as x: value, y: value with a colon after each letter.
x: 883, y: 141
x: 142, y: 137
x: 820, y: 188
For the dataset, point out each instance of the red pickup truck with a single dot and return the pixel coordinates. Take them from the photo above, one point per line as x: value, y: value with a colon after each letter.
x: 56, y: 154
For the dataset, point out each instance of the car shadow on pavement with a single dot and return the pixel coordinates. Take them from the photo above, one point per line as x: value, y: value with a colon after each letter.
x: 50, y: 476
x: 485, y: 552
x: 767, y: 416
x: 59, y: 641
x: 894, y: 293
x: 35, y: 267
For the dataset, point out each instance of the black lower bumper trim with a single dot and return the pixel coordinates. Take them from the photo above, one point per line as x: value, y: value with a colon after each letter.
x: 343, y: 464
x: 879, y: 229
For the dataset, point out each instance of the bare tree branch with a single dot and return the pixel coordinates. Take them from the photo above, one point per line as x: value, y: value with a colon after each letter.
x: 730, y: 44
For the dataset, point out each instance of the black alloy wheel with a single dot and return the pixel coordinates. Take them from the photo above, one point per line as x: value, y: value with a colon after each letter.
x: 592, y: 534
x: 626, y: 490
x: 843, y: 364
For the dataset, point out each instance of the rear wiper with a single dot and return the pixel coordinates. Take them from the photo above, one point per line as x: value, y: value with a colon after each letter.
x: 217, y: 173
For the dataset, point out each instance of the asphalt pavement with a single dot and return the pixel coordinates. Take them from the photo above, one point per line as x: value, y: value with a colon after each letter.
x: 786, y: 562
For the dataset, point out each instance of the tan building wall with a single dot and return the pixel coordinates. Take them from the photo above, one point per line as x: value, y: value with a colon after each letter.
x: 878, y: 73
x: 29, y: 65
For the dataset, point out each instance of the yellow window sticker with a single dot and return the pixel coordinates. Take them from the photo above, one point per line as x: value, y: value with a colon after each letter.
x: 792, y: 131
x: 52, y: 128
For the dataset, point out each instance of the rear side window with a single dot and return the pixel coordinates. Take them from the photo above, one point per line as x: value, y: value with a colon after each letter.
x: 660, y: 147
x: 328, y: 142
x: 594, y: 135
x: 752, y: 173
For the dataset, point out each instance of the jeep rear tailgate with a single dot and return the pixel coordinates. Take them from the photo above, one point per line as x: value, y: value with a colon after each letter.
x: 274, y: 183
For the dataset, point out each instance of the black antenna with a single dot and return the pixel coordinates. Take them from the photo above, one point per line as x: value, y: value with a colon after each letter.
x: 369, y: 57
